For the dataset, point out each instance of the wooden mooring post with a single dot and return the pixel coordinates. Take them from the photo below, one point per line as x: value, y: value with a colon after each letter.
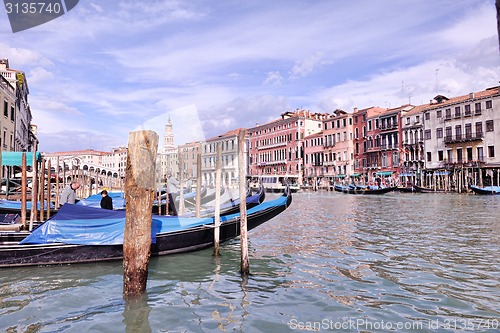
x: 139, y: 195
x: 24, y: 190
x: 218, y: 179
x: 198, y: 183
x: 245, y: 262
x: 34, y: 190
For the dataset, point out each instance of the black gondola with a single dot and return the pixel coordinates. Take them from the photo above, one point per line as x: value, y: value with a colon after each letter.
x: 176, y: 241
x: 360, y: 189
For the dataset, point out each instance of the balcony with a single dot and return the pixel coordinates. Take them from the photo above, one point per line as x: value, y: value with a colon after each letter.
x: 463, y: 137
x: 450, y: 163
x: 389, y: 127
x: 274, y: 145
x: 385, y: 146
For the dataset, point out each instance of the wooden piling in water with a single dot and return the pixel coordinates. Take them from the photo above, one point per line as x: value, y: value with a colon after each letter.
x: 24, y: 190
x: 218, y: 176
x: 198, y: 183
x: 42, y: 191
x: 245, y: 262
x: 139, y: 195
x: 181, y: 182
x: 49, y: 190
x: 34, y: 190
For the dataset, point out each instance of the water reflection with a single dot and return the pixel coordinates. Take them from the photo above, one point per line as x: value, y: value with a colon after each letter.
x: 397, y: 258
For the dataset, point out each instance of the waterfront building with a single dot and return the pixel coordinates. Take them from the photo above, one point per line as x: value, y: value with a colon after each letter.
x: 366, y: 143
x: 391, y: 148
x: 412, y: 130
x: 16, y: 131
x: 7, y: 123
x: 313, y: 159
x: 338, y: 144
x: 460, y: 139
x: 277, y: 147
x: 187, y: 154
x: 229, y: 152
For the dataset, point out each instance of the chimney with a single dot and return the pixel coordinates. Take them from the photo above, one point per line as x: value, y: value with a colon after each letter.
x: 355, y: 109
x: 471, y: 95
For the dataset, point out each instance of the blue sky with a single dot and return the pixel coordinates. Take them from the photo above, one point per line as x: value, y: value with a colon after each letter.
x: 110, y: 67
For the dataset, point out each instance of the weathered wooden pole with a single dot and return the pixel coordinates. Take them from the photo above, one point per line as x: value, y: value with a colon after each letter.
x: 139, y: 195
x: 218, y: 176
x: 34, y: 190
x: 181, y: 183
x: 49, y: 192
x: 24, y: 190
x: 42, y: 191
x: 56, y: 202
x: 245, y: 263
x: 198, y: 183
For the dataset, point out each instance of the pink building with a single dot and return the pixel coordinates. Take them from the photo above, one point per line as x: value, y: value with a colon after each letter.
x: 277, y: 147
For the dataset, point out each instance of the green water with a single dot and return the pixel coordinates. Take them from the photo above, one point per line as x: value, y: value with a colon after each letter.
x: 331, y: 263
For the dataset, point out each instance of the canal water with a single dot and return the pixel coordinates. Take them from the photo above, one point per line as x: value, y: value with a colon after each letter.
x: 331, y: 263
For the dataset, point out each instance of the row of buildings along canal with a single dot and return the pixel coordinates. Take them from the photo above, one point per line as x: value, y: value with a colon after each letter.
x: 447, y: 143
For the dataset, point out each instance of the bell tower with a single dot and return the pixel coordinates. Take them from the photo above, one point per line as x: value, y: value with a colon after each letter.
x: 168, y: 139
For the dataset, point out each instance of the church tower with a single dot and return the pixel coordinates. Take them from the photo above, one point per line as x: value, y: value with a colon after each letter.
x: 168, y: 139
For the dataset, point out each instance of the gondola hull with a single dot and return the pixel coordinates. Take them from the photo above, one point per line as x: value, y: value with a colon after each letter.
x: 186, y: 240
x: 363, y: 190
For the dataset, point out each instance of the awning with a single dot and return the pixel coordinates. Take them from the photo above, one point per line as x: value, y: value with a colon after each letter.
x: 384, y: 173
x: 14, y: 158
x: 355, y: 175
x: 441, y: 173
x: 340, y: 176
x: 406, y: 174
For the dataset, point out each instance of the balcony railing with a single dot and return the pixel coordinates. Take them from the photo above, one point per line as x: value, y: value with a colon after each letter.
x: 463, y: 137
x: 274, y: 145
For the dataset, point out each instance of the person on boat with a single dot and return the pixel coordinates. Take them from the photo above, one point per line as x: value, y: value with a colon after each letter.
x: 379, y: 182
x: 68, y: 195
x: 173, y: 185
x: 106, y: 201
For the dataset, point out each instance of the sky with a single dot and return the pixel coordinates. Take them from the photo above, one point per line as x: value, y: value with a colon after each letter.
x: 107, y: 68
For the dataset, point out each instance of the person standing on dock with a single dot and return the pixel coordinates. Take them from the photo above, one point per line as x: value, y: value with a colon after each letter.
x: 106, y: 201
x: 69, y: 193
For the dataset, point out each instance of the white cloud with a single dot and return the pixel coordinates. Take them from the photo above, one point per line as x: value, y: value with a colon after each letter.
x: 273, y: 78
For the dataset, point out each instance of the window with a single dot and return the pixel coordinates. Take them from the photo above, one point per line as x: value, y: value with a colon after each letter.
x: 477, y: 108
x: 458, y: 131
x: 491, y: 151
x: 479, y: 129
x: 469, y: 153
x: 408, y: 121
x: 439, y: 114
x: 468, y: 130
x: 457, y: 111
x: 467, y: 110
x: 489, y: 105
x: 427, y: 116
x: 417, y: 119
x: 12, y: 113
x: 439, y: 132
x: 427, y: 134
x: 440, y: 155
x: 459, y: 154
x: 5, y: 108
x: 480, y: 154
x: 448, y: 113
x: 429, y: 156
x: 448, y: 132
x: 489, y: 126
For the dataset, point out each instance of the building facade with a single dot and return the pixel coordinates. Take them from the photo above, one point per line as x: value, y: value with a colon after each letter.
x: 277, y: 148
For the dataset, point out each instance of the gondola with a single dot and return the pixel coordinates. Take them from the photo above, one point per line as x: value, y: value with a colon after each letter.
x: 486, y: 190
x: 96, y: 243
x: 363, y: 189
x: 421, y: 189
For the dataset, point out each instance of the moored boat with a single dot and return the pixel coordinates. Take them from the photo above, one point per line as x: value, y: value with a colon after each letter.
x: 80, y: 234
x: 363, y: 189
x: 485, y: 190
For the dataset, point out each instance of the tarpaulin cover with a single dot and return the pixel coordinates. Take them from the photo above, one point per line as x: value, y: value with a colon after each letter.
x: 75, y: 224
x: 16, y: 205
